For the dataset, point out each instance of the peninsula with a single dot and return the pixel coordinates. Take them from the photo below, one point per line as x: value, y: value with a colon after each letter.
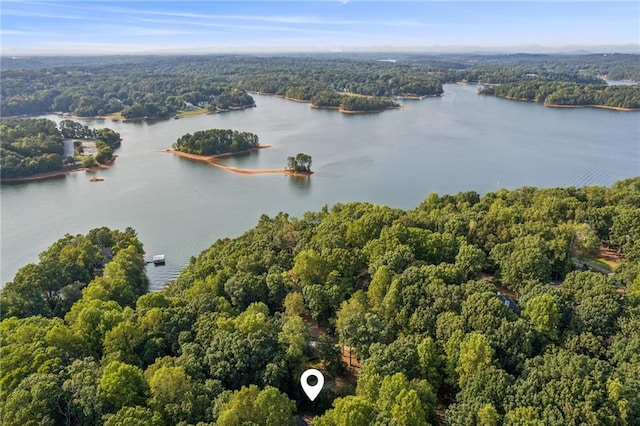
x: 351, y: 103
x: 562, y: 94
x: 38, y: 149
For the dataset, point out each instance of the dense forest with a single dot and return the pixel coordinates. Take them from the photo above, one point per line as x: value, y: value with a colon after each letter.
x: 570, y: 94
x: 216, y: 141
x: 466, y: 310
x: 351, y: 103
x: 30, y: 146
x: 153, y: 86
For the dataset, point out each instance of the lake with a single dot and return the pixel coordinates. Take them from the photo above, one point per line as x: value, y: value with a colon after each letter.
x: 461, y: 141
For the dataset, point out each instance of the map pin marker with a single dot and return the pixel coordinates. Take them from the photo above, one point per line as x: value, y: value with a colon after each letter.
x: 312, y: 391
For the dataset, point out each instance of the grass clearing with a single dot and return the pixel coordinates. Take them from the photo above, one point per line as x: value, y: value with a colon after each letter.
x: 189, y: 112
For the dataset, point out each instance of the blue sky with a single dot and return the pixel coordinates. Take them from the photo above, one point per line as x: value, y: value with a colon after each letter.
x: 97, y: 27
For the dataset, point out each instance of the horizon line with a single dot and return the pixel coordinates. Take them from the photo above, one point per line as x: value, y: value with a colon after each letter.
x: 628, y: 48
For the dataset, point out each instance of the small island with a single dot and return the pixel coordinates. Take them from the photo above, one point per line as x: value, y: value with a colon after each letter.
x: 37, y: 149
x: 300, y: 164
x: 216, y: 142
x: 210, y: 146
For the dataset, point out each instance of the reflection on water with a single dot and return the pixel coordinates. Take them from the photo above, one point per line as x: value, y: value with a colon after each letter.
x: 302, y: 184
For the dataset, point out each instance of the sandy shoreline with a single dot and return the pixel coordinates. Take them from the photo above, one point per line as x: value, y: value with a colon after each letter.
x: 213, y: 160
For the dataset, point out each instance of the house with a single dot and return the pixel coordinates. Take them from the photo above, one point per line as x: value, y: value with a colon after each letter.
x: 107, y: 256
x: 509, y: 303
x: 189, y: 105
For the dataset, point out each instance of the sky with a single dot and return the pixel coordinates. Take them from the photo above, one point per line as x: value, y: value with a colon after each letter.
x: 126, y: 27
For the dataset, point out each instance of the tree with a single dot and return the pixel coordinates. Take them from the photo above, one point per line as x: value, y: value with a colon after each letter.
x: 475, y: 355
x: 490, y: 385
x: 430, y: 362
x: 349, y: 411
x: 471, y: 260
x: 24, y: 351
x: 171, y: 392
x: 38, y: 399
x: 295, y: 338
x: 578, y: 381
x: 124, y: 343
x: 82, y: 386
x: 378, y: 288
x: 301, y: 163
x: 523, y: 259
x: 294, y: 304
x: 488, y: 416
x: 407, y: 409
x: 238, y: 359
x: 109, y: 137
x: 123, y: 385
x: 250, y: 405
x: 543, y: 312
x: 598, y: 303
x: 88, y: 161
x: 134, y: 416
x: 357, y: 327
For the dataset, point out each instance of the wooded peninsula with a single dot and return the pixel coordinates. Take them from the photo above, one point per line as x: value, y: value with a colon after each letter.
x: 569, y: 94
x: 465, y: 310
x: 35, y: 147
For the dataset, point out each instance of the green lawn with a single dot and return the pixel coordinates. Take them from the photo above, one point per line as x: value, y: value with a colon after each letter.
x: 188, y: 112
x: 602, y: 263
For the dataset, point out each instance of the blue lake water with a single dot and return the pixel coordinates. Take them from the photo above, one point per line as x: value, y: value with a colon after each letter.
x: 461, y: 141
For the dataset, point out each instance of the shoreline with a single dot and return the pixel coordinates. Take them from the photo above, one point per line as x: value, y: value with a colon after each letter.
x: 302, y: 101
x: 213, y: 160
x: 186, y: 114
x: 208, y: 158
x: 59, y: 173
x: 593, y: 106
x: 566, y: 106
x: 416, y: 97
x: 346, y: 111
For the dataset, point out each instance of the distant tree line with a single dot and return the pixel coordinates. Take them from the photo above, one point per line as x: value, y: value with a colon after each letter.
x: 565, y: 93
x: 140, y: 87
x: 133, y: 91
x: 216, y: 141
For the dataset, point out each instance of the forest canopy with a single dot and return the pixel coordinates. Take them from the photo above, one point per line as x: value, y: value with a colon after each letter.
x: 35, y: 145
x: 465, y: 310
x: 569, y: 94
x: 216, y: 141
x: 149, y: 86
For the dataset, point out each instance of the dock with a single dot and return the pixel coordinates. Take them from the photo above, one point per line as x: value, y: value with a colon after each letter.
x: 158, y: 259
